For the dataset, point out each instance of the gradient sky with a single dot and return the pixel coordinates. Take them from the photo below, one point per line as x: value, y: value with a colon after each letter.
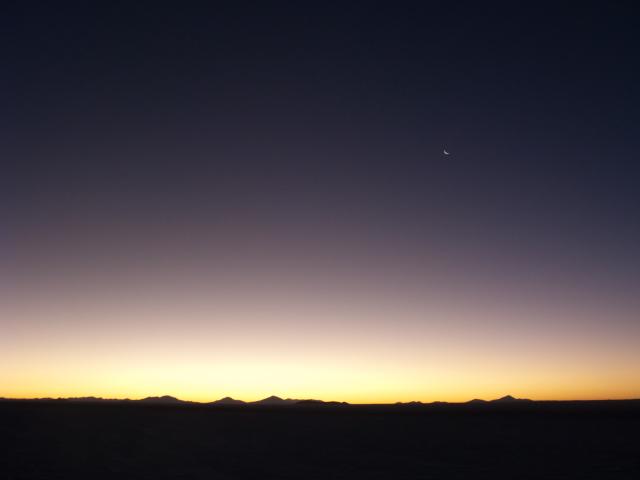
x: 211, y: 201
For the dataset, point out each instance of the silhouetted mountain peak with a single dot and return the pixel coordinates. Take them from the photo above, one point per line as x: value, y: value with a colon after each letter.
x: 509, y: 398
x: 162, y: 399
x: 274, y: 400
x: 228, y: 401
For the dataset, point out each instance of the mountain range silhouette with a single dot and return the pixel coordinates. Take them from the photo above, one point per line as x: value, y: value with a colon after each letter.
x: 272, y: 400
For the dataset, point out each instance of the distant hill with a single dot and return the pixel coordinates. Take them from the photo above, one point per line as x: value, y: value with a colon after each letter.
x: 273, y: 400
x: 277, y: 401
x: 477, y: 401
x: 509, y: 399
x: 502, y: 400
x: 165, y: 399
x: 319, y: 402
x: 227, y: 401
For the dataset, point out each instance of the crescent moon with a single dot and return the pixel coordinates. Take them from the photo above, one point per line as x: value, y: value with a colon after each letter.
x: 445, y: 152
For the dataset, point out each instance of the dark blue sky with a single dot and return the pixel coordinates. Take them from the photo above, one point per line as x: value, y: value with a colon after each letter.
x: 325, y: 124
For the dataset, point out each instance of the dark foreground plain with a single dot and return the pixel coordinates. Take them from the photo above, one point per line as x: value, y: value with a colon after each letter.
x: 555, y: 440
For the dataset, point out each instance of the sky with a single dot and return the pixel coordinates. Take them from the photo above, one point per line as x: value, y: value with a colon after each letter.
x: 213, y: 200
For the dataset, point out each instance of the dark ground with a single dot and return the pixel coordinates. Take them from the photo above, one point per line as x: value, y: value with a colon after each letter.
x: 65, y: 440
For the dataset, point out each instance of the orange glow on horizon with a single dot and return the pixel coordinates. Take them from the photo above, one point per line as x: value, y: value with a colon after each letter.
x: 309, y: 344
